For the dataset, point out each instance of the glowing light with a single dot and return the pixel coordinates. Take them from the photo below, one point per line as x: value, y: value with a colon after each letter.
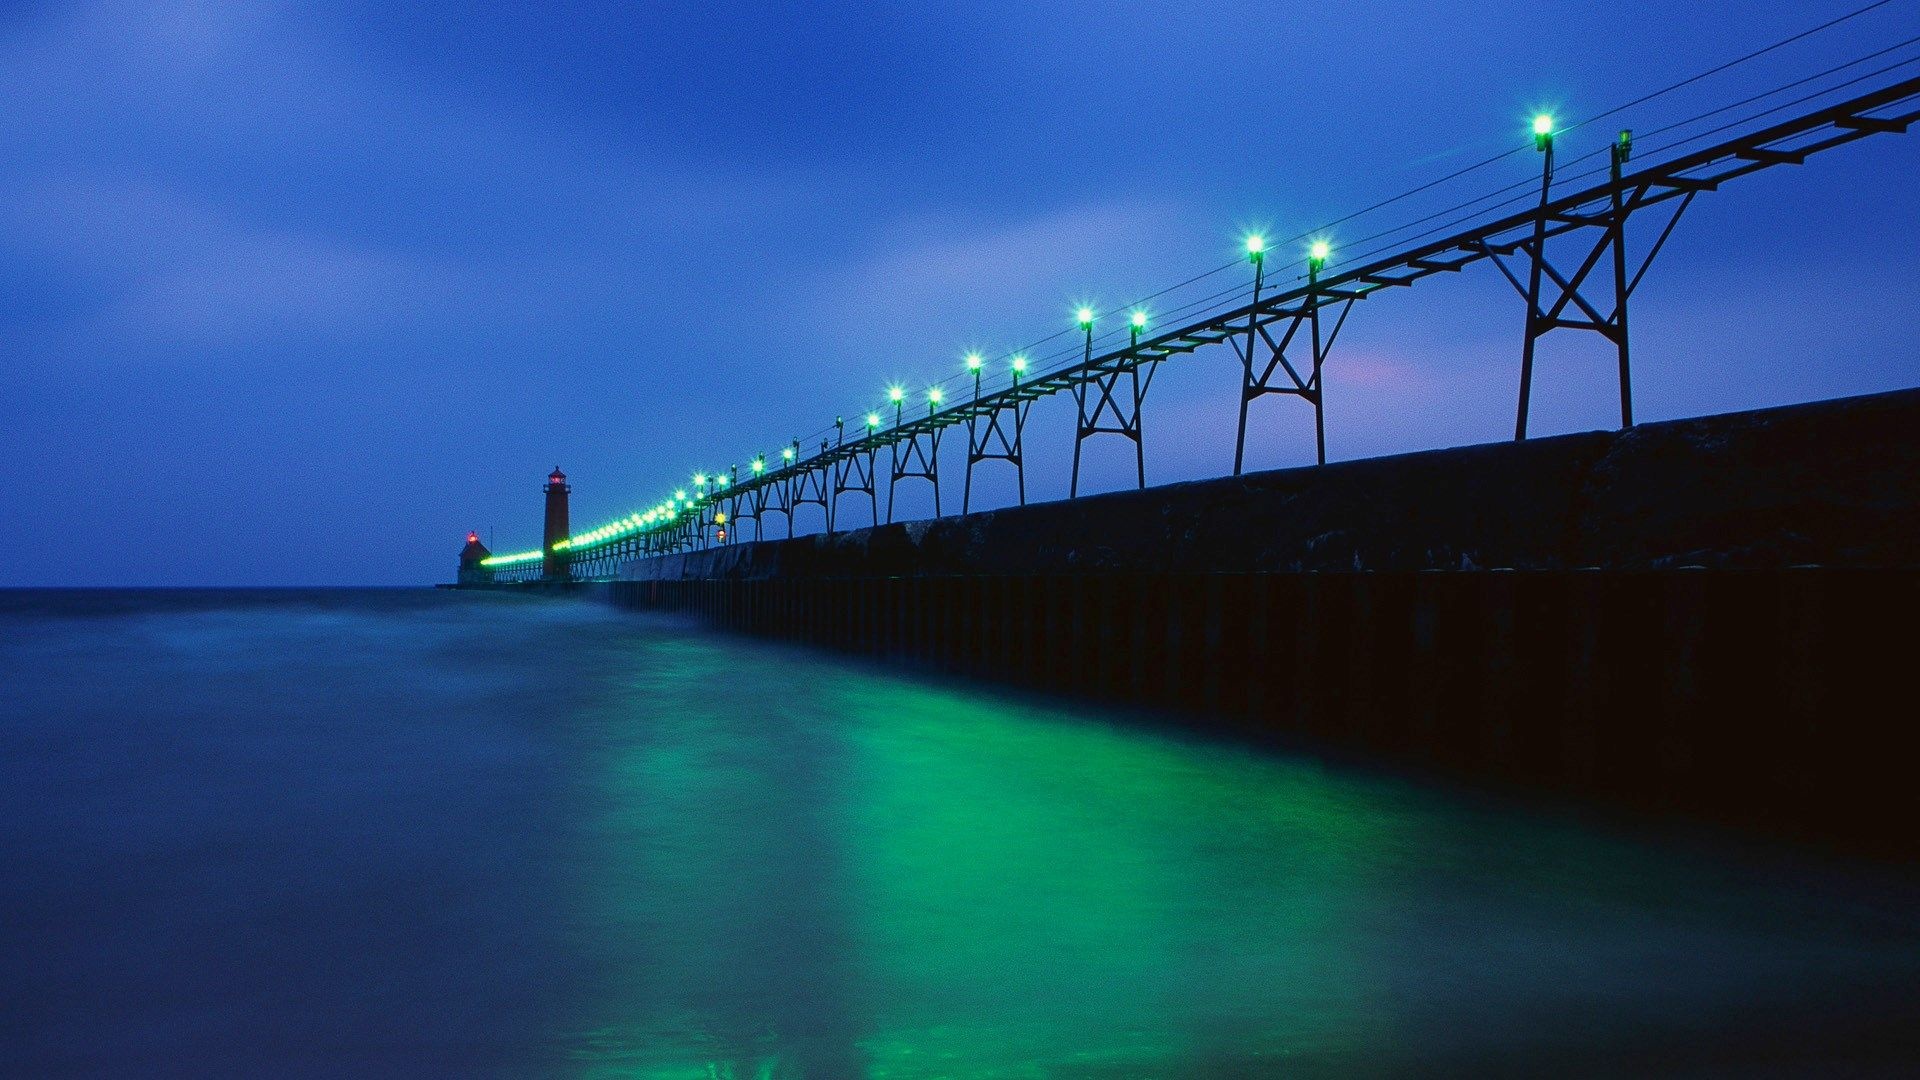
x: 699, y: 479
x: 1318, y: 252
x: 1019, y: 363
x: 1139, y: 320
x: 1256, y: 244
x: 759, y: 465
x: 681, y: 494
x: 787, y: 452
x: 933, y: 396
x: 517, y: 557
x: 894, y: 393
x: 1543, y: 124
x: 973, y: 361
x: 1086, y: 316
x: 873, y: 419
x: 720, y: 518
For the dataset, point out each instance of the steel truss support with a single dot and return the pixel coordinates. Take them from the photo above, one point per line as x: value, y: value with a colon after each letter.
x: 988, y: 439
x: 741, y: 507
x: 701, y: 520
x: 1110, y: 399
x: 770, y: 499
x: 1546, y: 314
x: 808, y: 484
x: 1257, y: 380
x: 920, y: 460
x: 854, y: 472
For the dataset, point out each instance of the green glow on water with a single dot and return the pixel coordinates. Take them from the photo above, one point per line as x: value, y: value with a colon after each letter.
x: 994, y: 886
x: 827, y: 871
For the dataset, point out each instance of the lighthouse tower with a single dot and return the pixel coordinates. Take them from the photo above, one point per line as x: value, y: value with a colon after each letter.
x: 554, y: 567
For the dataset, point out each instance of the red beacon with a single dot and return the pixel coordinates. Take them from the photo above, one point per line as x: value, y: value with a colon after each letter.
x: 473, y: 561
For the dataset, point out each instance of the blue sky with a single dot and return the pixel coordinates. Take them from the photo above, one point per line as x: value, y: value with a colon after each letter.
x: 298, y: 294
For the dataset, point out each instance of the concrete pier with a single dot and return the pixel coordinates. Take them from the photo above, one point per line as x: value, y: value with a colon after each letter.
x: 1712, y: 617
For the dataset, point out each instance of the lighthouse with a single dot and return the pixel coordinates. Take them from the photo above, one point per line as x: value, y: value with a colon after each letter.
x: 554, y: 566
x: 473, y: 562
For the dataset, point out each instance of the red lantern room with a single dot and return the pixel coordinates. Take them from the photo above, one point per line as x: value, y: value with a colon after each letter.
x: 471, y: 558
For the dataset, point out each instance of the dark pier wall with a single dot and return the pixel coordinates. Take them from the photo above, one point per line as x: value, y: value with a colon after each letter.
x: 1774, y: 699
x: 1712, y: 617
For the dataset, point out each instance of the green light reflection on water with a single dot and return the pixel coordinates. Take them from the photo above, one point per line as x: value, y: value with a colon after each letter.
x: 795, y: 867
x: 1042, y: 889
x: 938, y: 882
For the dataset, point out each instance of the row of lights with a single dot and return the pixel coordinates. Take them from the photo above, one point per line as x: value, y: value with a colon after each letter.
x: 667, y: 512
x: 513, y: 559
x: 1317, y: 253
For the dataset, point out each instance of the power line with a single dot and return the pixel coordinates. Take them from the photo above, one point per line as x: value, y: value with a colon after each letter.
x: 1855, y: 13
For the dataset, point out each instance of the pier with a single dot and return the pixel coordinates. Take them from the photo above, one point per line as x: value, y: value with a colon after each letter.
x: 1708, y: 617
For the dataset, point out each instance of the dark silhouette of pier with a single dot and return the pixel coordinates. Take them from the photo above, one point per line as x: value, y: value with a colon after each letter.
x: 1708, y: 616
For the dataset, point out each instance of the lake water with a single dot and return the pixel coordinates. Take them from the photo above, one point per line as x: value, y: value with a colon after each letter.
x: 414, y: 834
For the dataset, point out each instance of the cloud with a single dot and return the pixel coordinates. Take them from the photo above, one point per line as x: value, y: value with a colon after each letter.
x: 222, y: 172
x: 920, y: 271
x: 167, y: 268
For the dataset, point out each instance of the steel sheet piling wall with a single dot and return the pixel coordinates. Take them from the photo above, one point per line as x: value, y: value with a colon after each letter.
x: 1775, y: 699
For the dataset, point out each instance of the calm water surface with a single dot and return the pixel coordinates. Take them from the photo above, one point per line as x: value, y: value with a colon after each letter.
x: 364, y: 833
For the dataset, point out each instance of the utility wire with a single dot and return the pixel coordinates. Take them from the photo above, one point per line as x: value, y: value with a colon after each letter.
x: 1783, y: 42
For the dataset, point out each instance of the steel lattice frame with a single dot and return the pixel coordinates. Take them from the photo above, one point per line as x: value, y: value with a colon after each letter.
x: 988, y: 440
x: 1263, y: 331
